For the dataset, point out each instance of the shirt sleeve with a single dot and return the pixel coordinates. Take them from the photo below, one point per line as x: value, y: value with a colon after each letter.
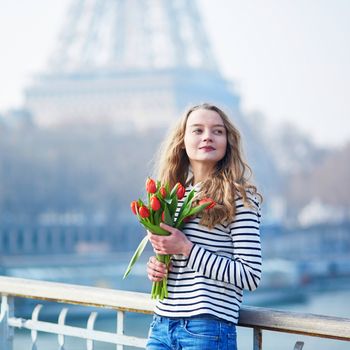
x: 244, y: 268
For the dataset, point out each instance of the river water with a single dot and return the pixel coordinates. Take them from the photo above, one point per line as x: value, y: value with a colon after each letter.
x: 331, y: 303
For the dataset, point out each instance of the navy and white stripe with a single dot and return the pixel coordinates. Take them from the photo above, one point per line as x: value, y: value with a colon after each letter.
x: 223, y: 261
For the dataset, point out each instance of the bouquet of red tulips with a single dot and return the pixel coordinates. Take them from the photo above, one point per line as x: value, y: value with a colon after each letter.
x: 161, y: 206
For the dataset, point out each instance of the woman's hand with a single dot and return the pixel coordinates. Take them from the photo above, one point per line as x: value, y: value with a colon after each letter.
x: 175, y: 243
x: 156, y: 270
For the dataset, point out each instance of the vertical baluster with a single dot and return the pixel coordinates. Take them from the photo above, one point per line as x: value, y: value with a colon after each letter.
x: 90, y: 326
x: 257, y: 343
x: 34, y: 333
x: 299, y: 345
x: 120, y: 327
x: 62, y: 321
x: 6, y: 332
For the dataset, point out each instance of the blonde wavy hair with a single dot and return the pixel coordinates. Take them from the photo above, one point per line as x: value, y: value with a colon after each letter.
x: 229, y: 179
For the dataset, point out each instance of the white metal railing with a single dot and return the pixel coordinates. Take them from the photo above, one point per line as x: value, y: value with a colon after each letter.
x: 122, y: 301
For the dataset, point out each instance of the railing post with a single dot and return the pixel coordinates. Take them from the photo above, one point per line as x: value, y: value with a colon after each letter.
x: 120, y: 326
x: 257, y: 342
x: 6, y: 332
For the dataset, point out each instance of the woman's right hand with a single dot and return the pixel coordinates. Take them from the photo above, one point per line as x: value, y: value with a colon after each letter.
x: 156, y: 270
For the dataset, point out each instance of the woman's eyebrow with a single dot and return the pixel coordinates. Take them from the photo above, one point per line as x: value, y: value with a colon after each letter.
x: 213, y: 126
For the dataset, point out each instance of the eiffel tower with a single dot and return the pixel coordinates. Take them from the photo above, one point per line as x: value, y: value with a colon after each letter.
x: 129, y: 63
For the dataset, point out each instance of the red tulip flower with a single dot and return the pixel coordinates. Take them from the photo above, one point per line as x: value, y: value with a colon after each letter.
x: 207, y: 200
x: 163, y: 192
x: 155, y: 203
x: 180, y: 193
x: 144, y: 212
x: 134, y: 205
x: 151, y: 186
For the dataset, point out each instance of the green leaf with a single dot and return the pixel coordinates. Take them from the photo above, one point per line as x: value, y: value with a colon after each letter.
x: 173, y: 206
x: 167, y: 217
x: 185, y: 208
x: 167, y: 200
x: 155, y: 229
x: 191, y: 212
x: 198, y: 209
x: 157, y: 217
x: 180, y: 218
x: 189, y: 197
x: 174, y: 190
x: 148, y: 200
x: 136, y: 256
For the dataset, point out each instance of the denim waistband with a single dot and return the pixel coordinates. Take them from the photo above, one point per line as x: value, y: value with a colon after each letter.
x: 196, y: 317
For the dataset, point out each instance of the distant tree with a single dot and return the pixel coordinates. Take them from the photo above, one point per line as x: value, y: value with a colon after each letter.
x: 326, y: 181
x: 71, y: 169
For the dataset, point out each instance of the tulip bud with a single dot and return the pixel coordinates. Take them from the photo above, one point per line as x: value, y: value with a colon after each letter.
x: 144, y: 212
x: 207, y: 200
x: 180, y: 191
x: 163, y: 217
x: 155, y: 203
x: 163, y: 192
x: 151, y: 186
x: 134, y: 206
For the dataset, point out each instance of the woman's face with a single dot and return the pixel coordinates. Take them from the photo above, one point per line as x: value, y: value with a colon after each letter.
x: 205, y: 138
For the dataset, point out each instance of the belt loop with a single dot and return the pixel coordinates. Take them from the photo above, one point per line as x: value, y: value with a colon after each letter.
x: 157, y: 318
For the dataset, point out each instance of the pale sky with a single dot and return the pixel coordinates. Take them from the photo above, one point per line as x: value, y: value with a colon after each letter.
x: 288, y: 59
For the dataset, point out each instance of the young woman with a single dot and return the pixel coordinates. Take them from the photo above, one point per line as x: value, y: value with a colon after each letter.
x: 217, y: 254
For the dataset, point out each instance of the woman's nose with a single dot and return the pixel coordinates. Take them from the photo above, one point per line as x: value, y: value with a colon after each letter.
x: 207, y: 136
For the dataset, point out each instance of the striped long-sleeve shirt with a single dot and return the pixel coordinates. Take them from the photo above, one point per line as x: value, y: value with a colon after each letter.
x: 223, y: 261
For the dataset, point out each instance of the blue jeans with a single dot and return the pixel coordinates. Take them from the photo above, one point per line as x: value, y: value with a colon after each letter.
x: 191, y: 334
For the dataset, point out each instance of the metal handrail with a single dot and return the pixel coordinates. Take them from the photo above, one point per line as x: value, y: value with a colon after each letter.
x: 254, y: 317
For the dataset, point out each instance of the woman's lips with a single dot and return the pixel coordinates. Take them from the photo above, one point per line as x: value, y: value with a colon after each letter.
x: 207, y: 148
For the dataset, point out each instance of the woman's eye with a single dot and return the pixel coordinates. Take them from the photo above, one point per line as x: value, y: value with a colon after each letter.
x: 218, y: 132
x: 197, y: 131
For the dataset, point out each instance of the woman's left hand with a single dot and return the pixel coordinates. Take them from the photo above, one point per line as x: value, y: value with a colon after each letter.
x: 175, y: 243
x: 156, y: 270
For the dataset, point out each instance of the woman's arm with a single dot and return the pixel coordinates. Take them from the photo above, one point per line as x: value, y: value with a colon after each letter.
x: 244, y: 269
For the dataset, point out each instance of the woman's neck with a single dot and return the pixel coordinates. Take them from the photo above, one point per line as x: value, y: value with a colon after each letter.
x: 201, y: 173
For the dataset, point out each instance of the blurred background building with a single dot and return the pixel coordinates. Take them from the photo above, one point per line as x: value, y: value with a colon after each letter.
x: 128, y: 64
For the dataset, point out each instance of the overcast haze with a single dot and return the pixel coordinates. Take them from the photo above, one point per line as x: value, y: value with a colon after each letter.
x: 288, y: 59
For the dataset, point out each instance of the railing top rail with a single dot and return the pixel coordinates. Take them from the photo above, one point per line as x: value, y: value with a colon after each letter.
x: 275, y: 320
x: 76, y: 294
x: 295, y: 322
